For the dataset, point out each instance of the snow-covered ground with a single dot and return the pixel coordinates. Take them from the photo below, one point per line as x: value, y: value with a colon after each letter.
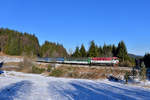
x: 6, y: 59
x: 20, y: 86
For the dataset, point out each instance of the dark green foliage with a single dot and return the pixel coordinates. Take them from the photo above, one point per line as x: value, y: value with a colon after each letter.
x: 100, y: 51
x: 107, y: 51
x: 13, y: 46
x: 80, y: 52
x: 132, y: 61
x: 49, y: 68
x: 56, y: 72
x: 122, y: 52
x: 143, y: 72
x: 30, y: 45
x: 126, y: 77
x: 37, y: 70
x: 114, y: 50
x: 77, y: 52
x: 93, y: 50
x: 147, y: 60
x: 134, y: 72
x: 17, y: 43
x: 83, y: 51
x: 49, y: 49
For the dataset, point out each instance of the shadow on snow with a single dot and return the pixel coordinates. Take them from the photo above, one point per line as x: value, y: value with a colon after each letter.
x: 15, y: 90
x: 99, y: 91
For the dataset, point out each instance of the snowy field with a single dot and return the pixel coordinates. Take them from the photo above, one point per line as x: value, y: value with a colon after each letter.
x: 19, y: 86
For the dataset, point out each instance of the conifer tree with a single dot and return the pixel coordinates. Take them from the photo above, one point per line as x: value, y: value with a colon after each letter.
x: 13, y: 46
x: 17, y: 43
x: 49, y: 49
x: 143, y: 72
x: 77, y: 52
x: 107, y: 50
x: 93, y: 50
x: 114, y: 50
x: 122, y: 51
x: 126, y: 77
x: 83, y: 51
x: 147, y: 60
x: 100, y: 52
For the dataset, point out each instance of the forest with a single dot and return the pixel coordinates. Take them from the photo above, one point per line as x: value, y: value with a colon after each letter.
x: 13, y: 42
x: 17, y: 43
x: 94, y: 50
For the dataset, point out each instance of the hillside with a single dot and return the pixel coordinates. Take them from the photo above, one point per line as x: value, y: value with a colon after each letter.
x: 17, y: 43
x: 134, y: 56
x: 19, y: 86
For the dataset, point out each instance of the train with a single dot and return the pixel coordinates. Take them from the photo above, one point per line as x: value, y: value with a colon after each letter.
x: 82, y: 61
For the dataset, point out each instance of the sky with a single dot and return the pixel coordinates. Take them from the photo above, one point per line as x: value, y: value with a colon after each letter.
x: 73, y: 22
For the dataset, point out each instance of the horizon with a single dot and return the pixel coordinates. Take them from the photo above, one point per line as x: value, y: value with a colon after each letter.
x: 72, y: 23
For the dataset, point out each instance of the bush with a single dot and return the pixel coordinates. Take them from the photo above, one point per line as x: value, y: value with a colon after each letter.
x: 143, y: 72
x: 49, y: 68
x: 126, y: 64
x: 134, y: 73
x: 56, y: 72
x: 126, y: 77
x: 37, y: 70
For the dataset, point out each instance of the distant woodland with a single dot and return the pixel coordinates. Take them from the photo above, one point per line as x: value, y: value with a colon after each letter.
x: 13, y: 42
x: 16, y: 43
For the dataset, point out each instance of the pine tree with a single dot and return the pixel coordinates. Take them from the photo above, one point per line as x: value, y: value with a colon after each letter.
x: 93, y: 50
x: 126, y: 77
x: 100, y: 52
x: 83, y: 51
x: 77, y: 52
x: 133, y: 72
x: 114, y: 50
x: 107, y: 50
x: 122, y: 51
x: 16, y: 43
x: 147, y: 60
x: 143, y: 72
x: 13, y: 46
x: 49, y: 49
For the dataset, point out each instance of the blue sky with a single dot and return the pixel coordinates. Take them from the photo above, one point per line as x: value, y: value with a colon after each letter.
x: 73, y: 22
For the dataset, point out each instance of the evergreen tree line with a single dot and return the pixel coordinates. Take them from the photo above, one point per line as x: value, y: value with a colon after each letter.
x: 102, y: 51
x: 146, y: 60
x: 17, y: 43
x: 49, y: 49
x: 94, y: 50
